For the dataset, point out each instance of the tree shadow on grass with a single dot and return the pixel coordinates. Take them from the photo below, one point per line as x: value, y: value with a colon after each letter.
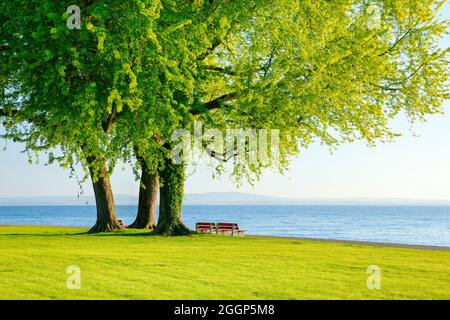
x: 37, y: 234
x: 116, y: 234
x: 123, y: 233
x: 83, y: 233
x: 127, y: 233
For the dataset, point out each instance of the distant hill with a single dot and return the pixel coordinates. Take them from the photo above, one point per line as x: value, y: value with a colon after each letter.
x: 219, y: 198
x: 237, y: 198
x: 61, y: 200
x: 233, y: 198
x: 215, y: 198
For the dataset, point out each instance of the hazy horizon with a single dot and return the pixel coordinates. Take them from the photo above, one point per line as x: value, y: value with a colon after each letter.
x: 413, y: 168
x: 221, y: 199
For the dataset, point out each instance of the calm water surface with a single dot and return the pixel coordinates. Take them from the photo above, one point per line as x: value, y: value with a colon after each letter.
x: 399, y: 224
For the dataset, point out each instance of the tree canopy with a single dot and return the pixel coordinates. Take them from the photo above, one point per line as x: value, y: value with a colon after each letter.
x: 137, y: 70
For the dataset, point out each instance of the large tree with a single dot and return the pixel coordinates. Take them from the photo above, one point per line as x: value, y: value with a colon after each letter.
x: 323, y: 71
x: 78, y: 91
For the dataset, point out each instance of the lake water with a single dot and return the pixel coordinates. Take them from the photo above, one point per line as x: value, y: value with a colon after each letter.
x: 398, y: 224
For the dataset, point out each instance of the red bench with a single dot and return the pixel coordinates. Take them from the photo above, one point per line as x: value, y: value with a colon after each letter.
x: 206, y: 227
x: 228, y: 228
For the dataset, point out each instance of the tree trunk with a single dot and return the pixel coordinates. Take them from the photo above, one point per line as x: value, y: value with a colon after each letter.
x: 106, y: 210
x: 148, y: 196
x: 171, y: 200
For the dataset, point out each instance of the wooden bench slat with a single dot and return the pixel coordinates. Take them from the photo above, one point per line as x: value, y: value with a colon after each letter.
x: 227, y: 227
x: 221, y: 227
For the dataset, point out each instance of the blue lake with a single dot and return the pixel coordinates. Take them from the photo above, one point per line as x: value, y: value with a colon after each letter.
x: 398, y: 224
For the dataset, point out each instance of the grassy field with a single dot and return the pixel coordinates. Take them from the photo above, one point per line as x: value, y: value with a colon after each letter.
x: 135, y: 265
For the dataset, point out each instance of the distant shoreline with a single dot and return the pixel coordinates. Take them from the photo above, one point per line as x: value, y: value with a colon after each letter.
x: 364, y: 243
x: 339, y: 241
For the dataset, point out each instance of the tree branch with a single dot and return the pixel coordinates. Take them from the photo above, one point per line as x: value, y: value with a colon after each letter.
x: 396, y: 43
x: 219, y: 156
x: 216, y: 103
x: 214, y: 46
x: 216, y: 43
x: 389, y: 87
x: 108, y: 123
x: 220, y: 69
x: 8, y: 113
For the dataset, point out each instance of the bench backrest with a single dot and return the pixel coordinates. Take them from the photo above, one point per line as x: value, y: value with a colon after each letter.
x: 227, y: 226
x: 205, y: 225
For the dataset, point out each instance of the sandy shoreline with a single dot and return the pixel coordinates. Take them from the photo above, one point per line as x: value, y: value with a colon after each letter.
x: 349, y: 242
x: 365, y: 243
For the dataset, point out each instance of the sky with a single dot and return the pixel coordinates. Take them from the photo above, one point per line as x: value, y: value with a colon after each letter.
x: 416, y: 166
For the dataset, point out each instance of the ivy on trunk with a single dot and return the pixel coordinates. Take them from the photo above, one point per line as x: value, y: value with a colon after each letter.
x: 171, y: 200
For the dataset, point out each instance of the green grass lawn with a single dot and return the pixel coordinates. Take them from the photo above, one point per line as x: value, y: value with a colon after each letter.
x: 135, y: 265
